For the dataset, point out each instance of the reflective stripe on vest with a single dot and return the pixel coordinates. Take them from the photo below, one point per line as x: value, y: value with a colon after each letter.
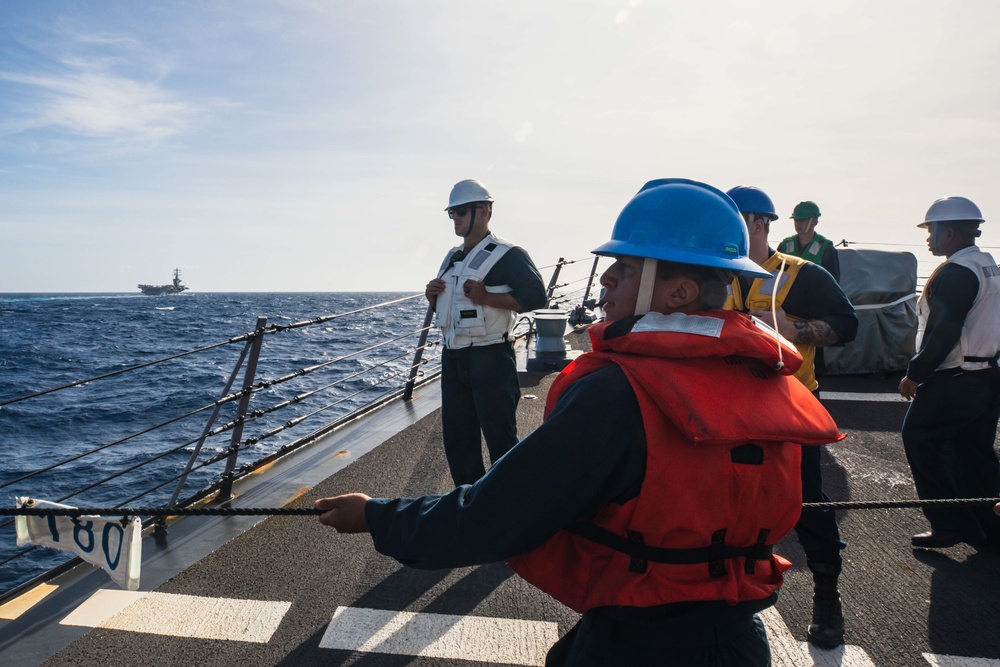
x: 811, y: 253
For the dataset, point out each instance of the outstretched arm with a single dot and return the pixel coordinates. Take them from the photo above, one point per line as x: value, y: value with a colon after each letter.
x: 589, y: 452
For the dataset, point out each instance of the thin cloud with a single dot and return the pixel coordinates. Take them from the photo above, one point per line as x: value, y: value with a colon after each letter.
x: 90, y: 101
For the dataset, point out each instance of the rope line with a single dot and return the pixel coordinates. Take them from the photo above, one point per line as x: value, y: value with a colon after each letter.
x: 896, y: 504
x: 309, y: 511
x: 845, y: 243
x: 156, y: 511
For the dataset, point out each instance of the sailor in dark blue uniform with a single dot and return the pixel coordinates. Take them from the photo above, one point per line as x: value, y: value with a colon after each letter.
x: 811, y: 310
x: 953, y: 381
x: 481, y: 287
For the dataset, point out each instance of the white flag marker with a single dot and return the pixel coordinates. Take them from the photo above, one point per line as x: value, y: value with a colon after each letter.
x: 112, y: 544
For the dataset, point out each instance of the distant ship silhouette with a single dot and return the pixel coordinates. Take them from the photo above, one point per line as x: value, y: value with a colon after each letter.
x: 160, y: 290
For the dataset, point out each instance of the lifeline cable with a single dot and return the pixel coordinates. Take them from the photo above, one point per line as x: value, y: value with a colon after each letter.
x: 311, y: 511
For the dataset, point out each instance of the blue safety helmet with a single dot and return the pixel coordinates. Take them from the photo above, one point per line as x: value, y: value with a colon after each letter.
x: 680, y: 220
x: 750, y: 199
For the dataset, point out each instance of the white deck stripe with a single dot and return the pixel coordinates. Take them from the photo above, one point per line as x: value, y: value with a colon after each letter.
x: 478, y: 638
x: 101, y: 606
x: 956, y: 661
x: 860, y: 396
x: 180, y: 615
x: 786, y: 651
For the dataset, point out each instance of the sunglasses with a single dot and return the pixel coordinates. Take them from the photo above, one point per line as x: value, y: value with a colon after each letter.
x: 459, y: 211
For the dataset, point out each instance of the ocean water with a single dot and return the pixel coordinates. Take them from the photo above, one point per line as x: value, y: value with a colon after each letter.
x: 48, y: 340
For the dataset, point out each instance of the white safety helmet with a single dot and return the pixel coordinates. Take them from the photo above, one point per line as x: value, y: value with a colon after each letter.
x: 952, y: 209
x: 466, y: 192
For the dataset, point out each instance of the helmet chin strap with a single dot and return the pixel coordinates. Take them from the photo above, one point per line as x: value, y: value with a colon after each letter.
x: 646, y: 284
x: 472, y: 220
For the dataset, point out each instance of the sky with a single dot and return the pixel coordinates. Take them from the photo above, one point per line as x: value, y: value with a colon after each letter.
x: 292, y: 145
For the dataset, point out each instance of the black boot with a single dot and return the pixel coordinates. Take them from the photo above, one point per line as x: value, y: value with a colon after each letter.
x: 827, y: 627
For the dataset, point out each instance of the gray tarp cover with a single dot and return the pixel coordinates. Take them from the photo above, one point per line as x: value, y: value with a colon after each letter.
x: 882, y: 286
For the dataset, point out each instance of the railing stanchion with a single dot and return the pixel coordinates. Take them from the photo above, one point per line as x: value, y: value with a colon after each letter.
x: 226, y: 490
x: 590, y: 283
x: 578, y: 316
x: 552, y: 283
x: 419, y: 354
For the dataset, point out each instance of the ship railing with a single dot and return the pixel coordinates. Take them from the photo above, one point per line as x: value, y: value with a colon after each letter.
x: 320, y: 397
x: 576, y: 299
x: 574, y: 288
x: 925, y: 264
x: 271, y: 403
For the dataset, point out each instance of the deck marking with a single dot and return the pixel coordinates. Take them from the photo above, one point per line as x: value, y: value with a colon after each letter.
x: 957, y: 661
x: 861, y: 396
x: 478, y: 638
x: 103, y: 605
x: 786, y: 651
x: 181, y: 615
x: 25, y: 601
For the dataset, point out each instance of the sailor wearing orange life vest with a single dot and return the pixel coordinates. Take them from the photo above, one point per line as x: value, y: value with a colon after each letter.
x: 804, y: 302
x: 638, y: 502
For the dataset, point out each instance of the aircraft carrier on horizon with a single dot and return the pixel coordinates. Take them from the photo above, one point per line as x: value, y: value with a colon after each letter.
x: 176, y: 287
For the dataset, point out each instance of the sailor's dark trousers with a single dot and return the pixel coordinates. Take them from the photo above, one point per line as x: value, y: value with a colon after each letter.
x: 948, y: 434
x: 479, y: 396
x: 817, y: 531
x: 593, y: 643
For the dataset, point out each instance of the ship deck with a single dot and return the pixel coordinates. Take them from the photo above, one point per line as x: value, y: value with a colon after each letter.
x: 288, y: 591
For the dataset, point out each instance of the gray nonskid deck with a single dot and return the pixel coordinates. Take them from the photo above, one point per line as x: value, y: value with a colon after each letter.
x: 900, y: 604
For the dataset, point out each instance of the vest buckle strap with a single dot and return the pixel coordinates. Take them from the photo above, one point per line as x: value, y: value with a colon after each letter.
x: 717, y: 564
x: 991, y: 361
x: 717, y: 552
x: 763, y: 552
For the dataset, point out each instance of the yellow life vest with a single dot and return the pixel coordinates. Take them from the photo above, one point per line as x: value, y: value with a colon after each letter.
x: 760, y: 296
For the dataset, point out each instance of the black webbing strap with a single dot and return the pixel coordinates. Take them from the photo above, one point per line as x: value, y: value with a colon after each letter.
x: 992, y: 361
x: 714, y: 554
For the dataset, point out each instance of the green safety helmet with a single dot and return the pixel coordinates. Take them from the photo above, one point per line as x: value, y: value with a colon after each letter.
x: 684, y: 221
x: 805, y: 209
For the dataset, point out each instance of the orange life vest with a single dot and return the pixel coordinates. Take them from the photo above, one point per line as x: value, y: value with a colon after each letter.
x: 722, y: 481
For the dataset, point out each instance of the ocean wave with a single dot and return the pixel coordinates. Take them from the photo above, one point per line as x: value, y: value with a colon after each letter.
x: 68, y: 338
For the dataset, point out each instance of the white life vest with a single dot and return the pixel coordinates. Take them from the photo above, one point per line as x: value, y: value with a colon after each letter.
x: 980, y: 339
x: 463, y: 323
